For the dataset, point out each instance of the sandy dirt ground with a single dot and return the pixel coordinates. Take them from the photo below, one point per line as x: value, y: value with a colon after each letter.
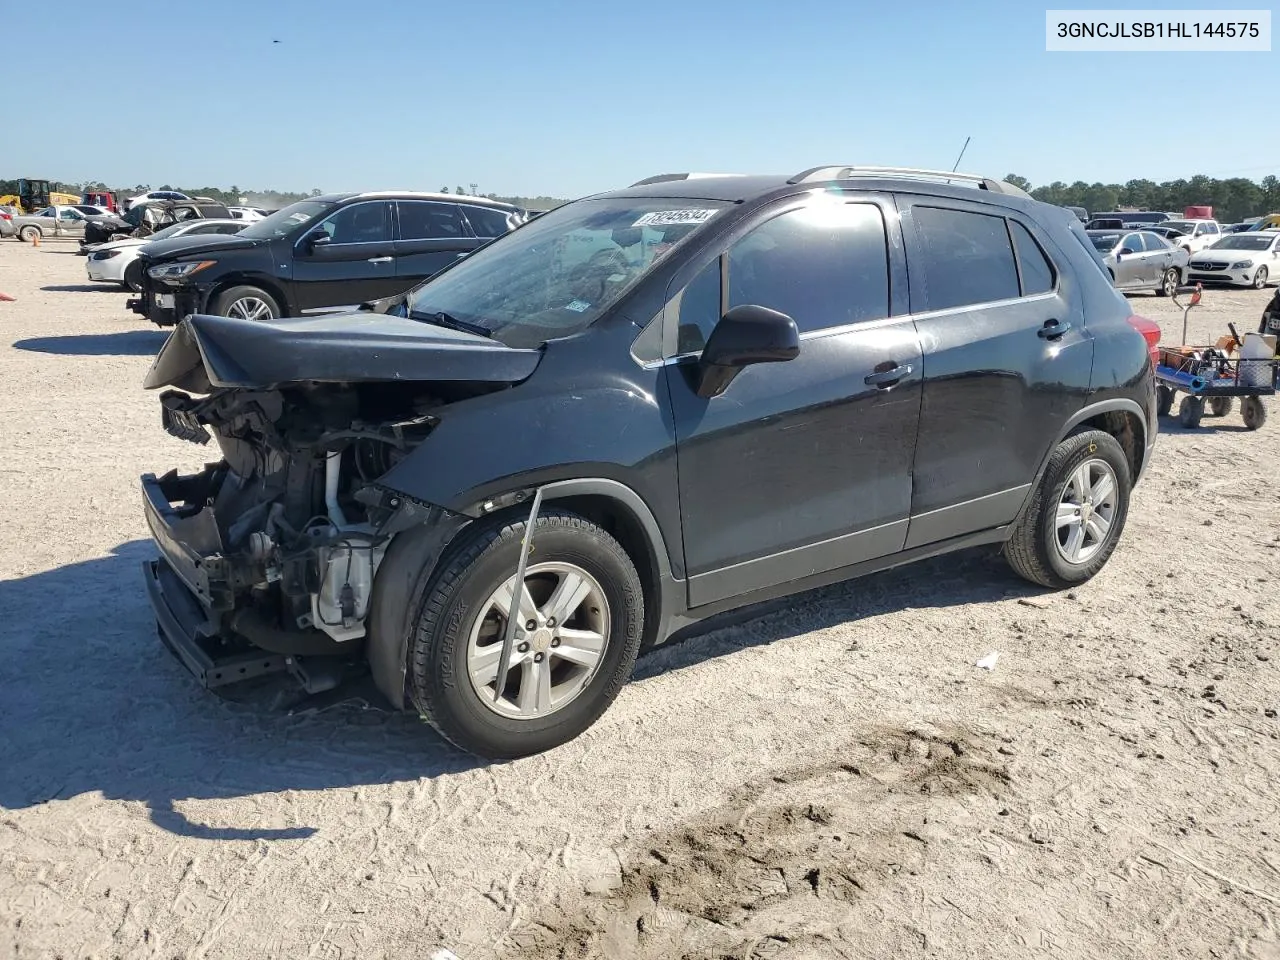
x: 834, y: 778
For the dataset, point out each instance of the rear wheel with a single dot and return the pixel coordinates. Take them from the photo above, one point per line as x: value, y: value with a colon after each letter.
x: 1169, y: 283
x: 1260, y: 278
x: 1190, y: 411
x: 246, y: 303
x: 29, y: 234
x: 1074, y: 520
x: 1254, y: 412
x: 1164, y: 400
x: 579, y: 629
x: 1220, y: 406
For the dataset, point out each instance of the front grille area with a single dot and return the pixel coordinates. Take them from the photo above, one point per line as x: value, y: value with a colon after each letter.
x: 1206, y: 265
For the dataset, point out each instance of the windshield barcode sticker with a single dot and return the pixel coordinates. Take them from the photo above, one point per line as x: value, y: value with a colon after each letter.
x: 667, y: 218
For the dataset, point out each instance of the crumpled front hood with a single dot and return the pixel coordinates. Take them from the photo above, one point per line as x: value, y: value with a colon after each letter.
x: 206, y: 352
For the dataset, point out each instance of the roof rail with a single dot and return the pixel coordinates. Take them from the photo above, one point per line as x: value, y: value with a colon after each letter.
x: 913, y: 173
x: 668, y: 177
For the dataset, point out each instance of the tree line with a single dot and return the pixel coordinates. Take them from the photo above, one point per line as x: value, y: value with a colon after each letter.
x: 1233, y: 199
x: 269, y: 199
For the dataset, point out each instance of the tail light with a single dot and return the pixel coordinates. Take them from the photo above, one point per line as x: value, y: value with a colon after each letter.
x: 1150, y: 331
x: 5, y: 216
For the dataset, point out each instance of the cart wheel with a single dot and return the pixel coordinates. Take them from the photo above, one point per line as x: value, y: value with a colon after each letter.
x: 1253, y: 411
x: 1220, y: 406
x: 1190, y: 411
x: 1164, y: 400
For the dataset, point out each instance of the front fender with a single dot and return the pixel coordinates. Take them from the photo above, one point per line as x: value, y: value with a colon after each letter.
x: 571, y: 419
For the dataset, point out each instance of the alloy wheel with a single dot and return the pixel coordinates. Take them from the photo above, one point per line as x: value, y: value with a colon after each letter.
x: 249, y: 308
x: 1086, y: 511
x: 1260, y: 278
x: 560, y: 639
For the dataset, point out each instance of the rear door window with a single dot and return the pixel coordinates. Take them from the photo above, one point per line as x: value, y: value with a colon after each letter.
x: 427, y: 220
x: 1034, y: 268
x: 966, y: 257
x: 487, y: 222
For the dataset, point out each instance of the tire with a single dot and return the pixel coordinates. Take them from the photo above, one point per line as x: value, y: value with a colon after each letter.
x: 1036, y: 551
x: 1190, y: 411
x: 1254, y: 412
x: 1164, y: 400
x: 248, y: 303
x: 459, y: 607
x: 28, y: 234
x: 133, y: 277
x: 1221, y: 406
x: 1169, y: 283
x: 1260, y: 279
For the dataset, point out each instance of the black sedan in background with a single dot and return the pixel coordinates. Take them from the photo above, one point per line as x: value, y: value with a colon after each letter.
x: 316, y: 255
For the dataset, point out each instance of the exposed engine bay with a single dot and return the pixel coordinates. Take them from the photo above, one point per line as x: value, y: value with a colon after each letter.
x: 283, y: 535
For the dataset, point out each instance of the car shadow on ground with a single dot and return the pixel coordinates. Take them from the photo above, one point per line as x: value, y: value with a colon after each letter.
x: 90, y: 699
x: 84, y: 288
x: 128, y: 343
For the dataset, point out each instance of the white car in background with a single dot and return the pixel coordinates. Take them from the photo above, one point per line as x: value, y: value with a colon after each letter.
x: 117, y: 261
x: 1194, y: 235
x: 1249, y: 259
x: 156, y: 195
x: 248, y: 214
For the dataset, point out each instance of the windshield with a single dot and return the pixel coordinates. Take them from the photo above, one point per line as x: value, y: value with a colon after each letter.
x: 559, y: 273
x: 1183, y: 226
x: 284, y: 222
x: 1104, y: 241
x: 1240, y: 242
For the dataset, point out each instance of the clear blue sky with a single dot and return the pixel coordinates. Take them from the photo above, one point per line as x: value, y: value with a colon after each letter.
x: 567, y: 97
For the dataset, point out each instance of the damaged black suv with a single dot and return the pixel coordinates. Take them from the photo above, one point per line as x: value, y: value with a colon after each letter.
x: 634, y: 412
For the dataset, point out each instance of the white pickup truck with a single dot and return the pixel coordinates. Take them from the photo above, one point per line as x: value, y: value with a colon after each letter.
x: 1193, y: 235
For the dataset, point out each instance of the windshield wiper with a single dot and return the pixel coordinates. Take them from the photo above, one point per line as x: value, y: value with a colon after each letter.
x: 442, y: 319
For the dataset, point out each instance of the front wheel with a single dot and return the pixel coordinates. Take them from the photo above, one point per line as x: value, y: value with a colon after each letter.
x: 1073, y: 522
x: 1260, y: 278
x: 1254, y: 412
x: 1169, y: 283
x: 580, y: 621
x: 133, y: 277
x: 246, y: 303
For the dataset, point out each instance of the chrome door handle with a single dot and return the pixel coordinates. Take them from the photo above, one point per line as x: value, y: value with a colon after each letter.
x: 887, y: 378
x: 380, y: 259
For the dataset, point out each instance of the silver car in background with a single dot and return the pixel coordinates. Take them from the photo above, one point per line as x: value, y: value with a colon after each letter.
x: 55, y: 221
x: 1140, y: 260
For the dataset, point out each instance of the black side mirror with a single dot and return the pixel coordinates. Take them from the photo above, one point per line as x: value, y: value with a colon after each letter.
x: 1125, y: 250
x: 745, y: 335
